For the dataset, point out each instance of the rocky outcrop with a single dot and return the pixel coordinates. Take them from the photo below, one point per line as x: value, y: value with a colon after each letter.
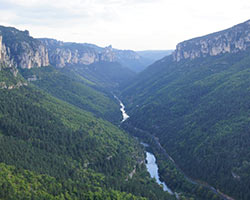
x: 3, y: 85
x: 20, y: 50
x: 232, y: 40
x: 62, y: 54
x: 32, y: 57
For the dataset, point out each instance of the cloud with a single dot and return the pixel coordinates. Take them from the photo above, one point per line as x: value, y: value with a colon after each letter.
x: 53, y: 13
x: 39, y: 13
x: 64, y: 12
x: 138, y: 24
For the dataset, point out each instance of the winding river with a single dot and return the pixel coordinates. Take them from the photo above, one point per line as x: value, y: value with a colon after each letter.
x: 151, y: 164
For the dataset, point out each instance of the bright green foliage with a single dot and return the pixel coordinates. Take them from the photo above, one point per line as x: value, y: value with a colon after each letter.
x: 7, y: 77
x: 16, y: 183
x: 200, y: 111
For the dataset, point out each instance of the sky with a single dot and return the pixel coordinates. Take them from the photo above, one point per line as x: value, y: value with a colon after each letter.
x: 124, y: 24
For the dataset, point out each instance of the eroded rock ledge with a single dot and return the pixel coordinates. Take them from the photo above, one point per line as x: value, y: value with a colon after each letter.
x: 231, y: 40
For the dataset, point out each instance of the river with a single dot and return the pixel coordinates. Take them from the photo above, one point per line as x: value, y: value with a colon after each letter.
x: 151, y: 164
x: 152, y: 168
x: 122, y: 109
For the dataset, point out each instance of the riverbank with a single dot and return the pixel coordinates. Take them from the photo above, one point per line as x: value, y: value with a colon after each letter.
x: 151, y: 164
x: 153, y: 170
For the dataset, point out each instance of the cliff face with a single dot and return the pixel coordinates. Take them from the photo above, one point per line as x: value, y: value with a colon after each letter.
x: 19, y: 49
x: 64, y: 53
x: 231, y: 40
x: 32, y: 57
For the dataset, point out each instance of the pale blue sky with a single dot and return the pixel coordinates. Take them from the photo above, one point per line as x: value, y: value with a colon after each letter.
x: 126, y: 24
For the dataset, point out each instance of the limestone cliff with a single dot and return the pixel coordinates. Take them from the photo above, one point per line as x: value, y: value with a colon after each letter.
x: 63, y: 54
x: 67, y: 53
x: 19, y: 49
x: 231, y: 40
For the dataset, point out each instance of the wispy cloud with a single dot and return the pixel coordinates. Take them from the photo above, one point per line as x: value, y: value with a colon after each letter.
x: 138, y: 24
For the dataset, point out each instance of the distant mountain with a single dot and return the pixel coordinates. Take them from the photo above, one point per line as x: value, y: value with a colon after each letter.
x: 196, y: 102
x: 19, y: 49
x: 63, y: 54
x: 154, y: 55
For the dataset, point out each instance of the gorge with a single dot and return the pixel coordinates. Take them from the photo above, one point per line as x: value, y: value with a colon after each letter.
x: 151, y: 164
x: 183, y: 120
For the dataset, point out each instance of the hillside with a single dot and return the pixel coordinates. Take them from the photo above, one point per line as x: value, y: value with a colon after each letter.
x: 197, y: 104
x: 106, y: 75
x: 61, y: 151
x: 74, y: 89
x: 61, y: 135
x: 17, y: 183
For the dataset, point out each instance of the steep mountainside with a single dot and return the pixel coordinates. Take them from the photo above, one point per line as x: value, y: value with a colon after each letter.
x: 74, y: 89
x: 63, y: 54
x: 232, y: 40
x: 106, y: 75
x: 101, y: 65
x: 55, y: 142
x: 18, y: 49
x: 196, y: 102
x: 58, y: 151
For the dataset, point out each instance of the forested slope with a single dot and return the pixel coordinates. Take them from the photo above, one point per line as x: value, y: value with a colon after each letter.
x: 69, y: 153
x: 108, y: 75
x: 76, y: 90
x: 199, y: 109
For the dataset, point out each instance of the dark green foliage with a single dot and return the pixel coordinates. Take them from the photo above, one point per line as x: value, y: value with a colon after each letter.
x: 173, y: 176
x: 78, y: 155
x: 9, y: 76
x: 200, y: 111
x: 59, y: 132
x: 75, y: 90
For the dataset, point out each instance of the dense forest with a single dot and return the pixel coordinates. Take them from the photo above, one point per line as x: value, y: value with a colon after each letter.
x: 199, y: 109
x: 64, y: 145
x: 61, y: 135
x: 76, y: 90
